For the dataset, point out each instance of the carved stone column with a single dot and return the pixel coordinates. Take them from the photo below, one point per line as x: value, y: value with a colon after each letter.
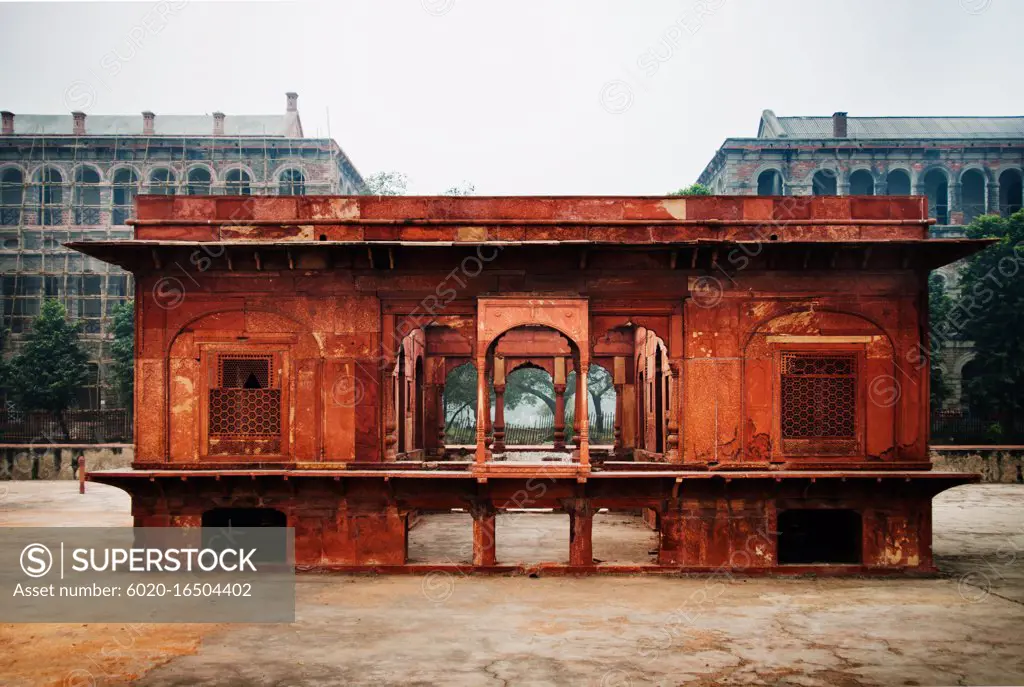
x: 499, y: 418
x: 559, y: 383
x: 672, y: 453
x: 390, y: 417
x: 483, y: 410
x: 559, y: 416
x: 582, y: 415
x: 441, y: 425
x: 619, y: 382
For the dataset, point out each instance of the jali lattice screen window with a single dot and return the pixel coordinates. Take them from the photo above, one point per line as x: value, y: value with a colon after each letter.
x: 245, y: 406
x: 819, y: 403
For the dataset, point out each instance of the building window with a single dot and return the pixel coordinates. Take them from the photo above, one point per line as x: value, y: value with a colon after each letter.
x: 862, y: 183
x: 126, y: 187
x: 12, y: 194
x: 87, y: 196
x: 819, y: 403
x: 245, y: 406
x: 199, y: 182
x: 293, y: 183
x: 236, y: 183
x: 972, y: 195
x: 162, y: 182
x: 824, y: 183
x: 897, y: 183
x: 936, y: 187
x: 1011, y: 192
x: 769, y: 183
x: 50, y: 197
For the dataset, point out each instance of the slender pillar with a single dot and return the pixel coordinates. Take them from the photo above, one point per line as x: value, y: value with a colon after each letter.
x: 673, y: 404
x: 583, y: 416
x: 559, y: 416
x: 391, y: 419
x: 559, y: 383
x: 581, y: 528
x: 484, y: 542
x: 993, y: 198
x: 499, y: 418
x: 441, y: 425
x: 483, y: 410
x: 619, y: 382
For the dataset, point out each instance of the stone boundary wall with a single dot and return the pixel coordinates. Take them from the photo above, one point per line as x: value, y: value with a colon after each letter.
x: 60, y: 461
x: 1003, y: 464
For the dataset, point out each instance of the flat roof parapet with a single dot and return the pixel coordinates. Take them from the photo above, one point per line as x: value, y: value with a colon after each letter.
x: 258, y: 218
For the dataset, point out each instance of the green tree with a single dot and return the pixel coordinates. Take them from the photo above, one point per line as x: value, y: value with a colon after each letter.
x: 466, y: 188
x: 48, y: 371
x: 940, y: 306
x: 122, y: 350
x: 693, y: 190
x: 460, y: 393
x: 992, y: 305
x: 387, y: 184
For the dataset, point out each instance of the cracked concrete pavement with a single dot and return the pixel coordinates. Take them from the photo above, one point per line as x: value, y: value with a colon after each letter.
x: 964, y: 627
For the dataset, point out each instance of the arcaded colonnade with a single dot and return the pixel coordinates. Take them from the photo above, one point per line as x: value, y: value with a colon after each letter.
x: 770, y: 376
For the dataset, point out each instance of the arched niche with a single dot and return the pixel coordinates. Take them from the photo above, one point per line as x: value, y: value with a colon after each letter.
x: 204, y: 360
x: 854, y: 352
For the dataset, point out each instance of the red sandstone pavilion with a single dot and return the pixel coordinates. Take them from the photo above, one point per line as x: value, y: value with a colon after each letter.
x: 767, y: 356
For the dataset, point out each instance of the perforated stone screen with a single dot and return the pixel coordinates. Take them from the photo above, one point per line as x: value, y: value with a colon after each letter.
x: 819, y: 396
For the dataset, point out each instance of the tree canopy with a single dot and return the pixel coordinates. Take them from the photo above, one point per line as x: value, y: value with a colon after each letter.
x: 693, y: 190
x: 122, y: 350
x: 990, y: 312
x: 51, y: 366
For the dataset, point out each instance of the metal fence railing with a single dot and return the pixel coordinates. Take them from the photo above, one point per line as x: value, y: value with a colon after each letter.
x: 73, y: 426
x: 537, y: 432
x: 965, y: 429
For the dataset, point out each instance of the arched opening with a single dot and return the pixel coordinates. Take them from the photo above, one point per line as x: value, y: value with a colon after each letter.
x: 236, y: 183
x: 862, y: 183
x: 970, y: 371
x: 936, y: 187
x: 200, y: 182
x: 1010, y: 192
x: 292, y: 183
x: 972, y: 194
x: 898, y: 183
x: 87, y: 196
x: 12, y: 194
x: 529, y: 367
x: 529, y: 411
x: 824, y: 183
x: 50, y: 197
x: 769, y: 183
x: 125, y: 188
x: 460, y: 406
x: 162, y: 182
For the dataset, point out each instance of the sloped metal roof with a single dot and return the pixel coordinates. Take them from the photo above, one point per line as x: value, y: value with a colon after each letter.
x: 898, y: 127
x: 278, y: 125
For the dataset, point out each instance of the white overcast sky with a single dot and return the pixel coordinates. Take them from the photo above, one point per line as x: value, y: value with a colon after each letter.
x: 527, y: 97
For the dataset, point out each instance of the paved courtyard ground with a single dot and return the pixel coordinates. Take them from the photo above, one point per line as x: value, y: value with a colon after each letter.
x: 966, y: 627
